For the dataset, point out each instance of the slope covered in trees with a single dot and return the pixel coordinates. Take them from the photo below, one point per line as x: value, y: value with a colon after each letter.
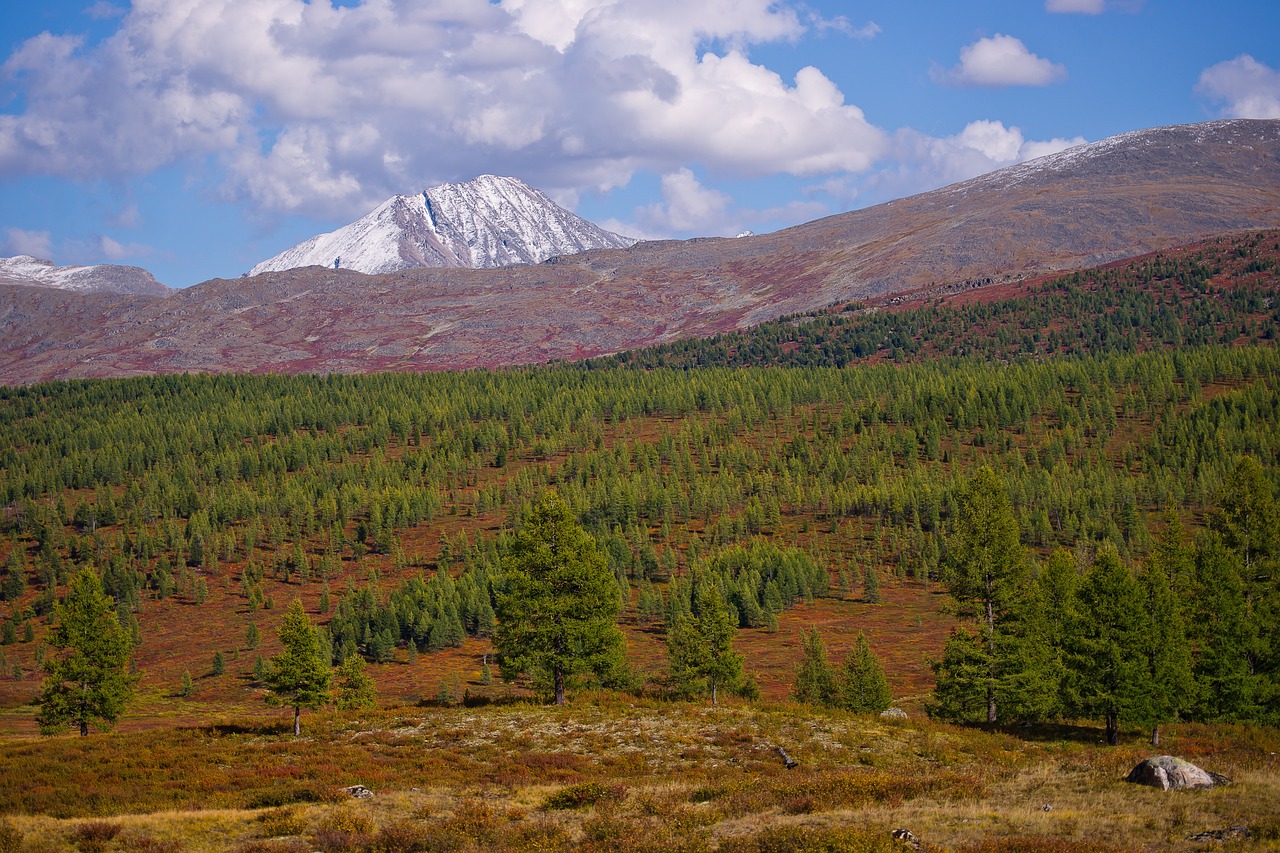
x: 388, y: 503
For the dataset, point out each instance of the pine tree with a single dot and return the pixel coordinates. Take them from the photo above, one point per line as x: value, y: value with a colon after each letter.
x: 88, y: 681
x: 1108, y: 667
x: 186, y: 686
x: 299, y: 676
x: 557, y: 614
x: 251, y: 636
x: 355, y: 690
x: 700, y: 645
x: 1167, y: 652
x: 961, y: 678
x: 1222, y: 634
x: 815, y: 679
x: 862, y: 686
x: 219, y: 663
x: 986, y: 567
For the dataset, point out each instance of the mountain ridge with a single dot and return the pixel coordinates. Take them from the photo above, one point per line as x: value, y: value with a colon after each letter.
x: 1123, y: 197
x: 26, y: 270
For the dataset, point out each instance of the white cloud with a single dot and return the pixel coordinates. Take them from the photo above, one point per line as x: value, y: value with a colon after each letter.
x: 114, y: 250
x: 37, y: 244
x: 323, y: 109
x: 928, y: 162
x: 1083, y: 7
x: 1001, y: 61
x: 688, y: 207
x: 1245, y: 87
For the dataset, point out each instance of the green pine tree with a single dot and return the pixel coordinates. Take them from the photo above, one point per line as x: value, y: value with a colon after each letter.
x: 219, y: 663
x: 815, y: 679
x: 88, y: 681
x: 557, y: 614
x: 186, y: 686
x: 354, y: 690
x: 700, y: 645
x: 986, y: 568
x: 862, y: 686
x: 1166, y: 649
x: 1108, y: 669
x: 300, y: 675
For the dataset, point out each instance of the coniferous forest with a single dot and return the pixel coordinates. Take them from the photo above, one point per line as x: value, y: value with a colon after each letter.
x: 1065, y: 501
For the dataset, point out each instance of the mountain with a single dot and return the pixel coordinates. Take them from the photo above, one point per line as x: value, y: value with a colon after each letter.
x: 481, y: 224
x: 99, y: 278
x: 1118, y: 198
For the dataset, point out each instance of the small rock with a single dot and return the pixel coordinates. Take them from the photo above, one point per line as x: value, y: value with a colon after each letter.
x: 360, y: 792
x: 1046, y: 808
x: 907, y: 837
x: 1231, y: 833
x: 1169, y: 773
x: 893, y: 714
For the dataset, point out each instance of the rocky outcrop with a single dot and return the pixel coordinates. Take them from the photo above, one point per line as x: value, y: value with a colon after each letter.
x: 896, y: 715
x: 1169, y: 773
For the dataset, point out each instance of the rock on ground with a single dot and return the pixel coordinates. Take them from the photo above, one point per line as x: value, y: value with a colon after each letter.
x: 1169, y: 773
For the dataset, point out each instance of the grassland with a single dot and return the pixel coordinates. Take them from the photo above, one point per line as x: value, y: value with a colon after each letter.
x: 612, y: 772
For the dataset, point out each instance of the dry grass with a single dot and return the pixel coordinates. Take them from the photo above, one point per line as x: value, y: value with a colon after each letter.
x: 611, y: 773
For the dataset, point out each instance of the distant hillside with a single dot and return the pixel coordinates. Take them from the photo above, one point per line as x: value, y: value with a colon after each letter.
x: 1220, y: 291
x: 25, y: 270
x: 1094, y: 204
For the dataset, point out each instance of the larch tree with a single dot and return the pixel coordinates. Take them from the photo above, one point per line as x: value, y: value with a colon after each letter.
x: 700, y: 644
x: 87, y: 680
x: 986, y: 568
x: 557, y: 614
x: 300, y: 675
x: 863, y: 688
x: 1108, y: 667
x: 815, y: 679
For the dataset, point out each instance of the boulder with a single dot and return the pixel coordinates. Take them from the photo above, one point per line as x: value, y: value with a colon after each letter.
x: 360, y: 792
x: 893, y: 714
x: 1169, y: 773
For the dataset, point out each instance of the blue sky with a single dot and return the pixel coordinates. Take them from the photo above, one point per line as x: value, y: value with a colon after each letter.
x: 198, y: 137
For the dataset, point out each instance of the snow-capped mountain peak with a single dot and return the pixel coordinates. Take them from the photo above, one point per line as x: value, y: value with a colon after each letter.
x: 488, y: 222
x: 98, y: 278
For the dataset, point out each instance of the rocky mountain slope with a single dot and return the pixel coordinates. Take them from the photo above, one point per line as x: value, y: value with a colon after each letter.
x: 481, y: 224
x: 1117, y: 198
x: 99, y: 278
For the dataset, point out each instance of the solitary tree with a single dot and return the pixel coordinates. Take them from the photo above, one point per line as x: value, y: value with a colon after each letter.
x: 300, y: 675
x: 87, y: 681
x: 557, y: 614
x: 700, y: 644
x: 863, y: 687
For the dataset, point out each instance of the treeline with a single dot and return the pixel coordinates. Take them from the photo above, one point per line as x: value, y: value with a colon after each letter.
x: 1190, y: 632
x: 1224, y: 293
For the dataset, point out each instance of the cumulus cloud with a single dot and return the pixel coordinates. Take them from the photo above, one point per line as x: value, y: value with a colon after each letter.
x: 1000, y: 61
x: 326, y: 110
x: 1082, y: 7
x: 37, y: 244
x: 928, y: 162
x: 687, y: 207
x: 1244, y: 87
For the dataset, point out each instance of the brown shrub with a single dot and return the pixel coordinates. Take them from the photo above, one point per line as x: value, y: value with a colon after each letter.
x: 95, y: 835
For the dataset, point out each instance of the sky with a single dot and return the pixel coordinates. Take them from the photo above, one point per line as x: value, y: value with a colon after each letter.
x: 198, y: 137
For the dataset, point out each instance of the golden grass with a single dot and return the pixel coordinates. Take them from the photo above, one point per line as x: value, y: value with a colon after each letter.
x: 615, y: 773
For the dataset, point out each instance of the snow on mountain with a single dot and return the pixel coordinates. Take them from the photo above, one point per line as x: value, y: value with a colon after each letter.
x: 488, y: 222
x: 99, y: 278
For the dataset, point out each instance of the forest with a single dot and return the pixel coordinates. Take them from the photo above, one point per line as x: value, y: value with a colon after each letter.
x: 1116, y: 431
